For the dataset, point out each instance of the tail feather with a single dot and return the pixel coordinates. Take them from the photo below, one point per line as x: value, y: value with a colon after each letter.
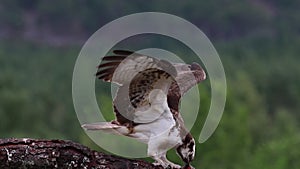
x: 107, y: 127
x: 100, y: 126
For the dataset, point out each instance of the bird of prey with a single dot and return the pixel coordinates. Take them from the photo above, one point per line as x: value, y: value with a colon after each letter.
x: 146, y: 104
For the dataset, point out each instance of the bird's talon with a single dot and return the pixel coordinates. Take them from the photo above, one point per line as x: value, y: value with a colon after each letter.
x: 156, y: 164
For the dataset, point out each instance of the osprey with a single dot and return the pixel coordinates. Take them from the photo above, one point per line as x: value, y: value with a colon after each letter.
x: 146, y: 104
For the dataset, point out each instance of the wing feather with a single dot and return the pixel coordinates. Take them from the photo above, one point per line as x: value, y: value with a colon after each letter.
x: 126, y: 64
x: 138, y: 75
x: 109, y: 64
x: 123, y: 52
x: 188, y: 76
x: 113, y: 58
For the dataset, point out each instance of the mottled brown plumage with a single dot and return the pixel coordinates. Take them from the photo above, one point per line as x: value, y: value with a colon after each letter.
x: 110, y: 63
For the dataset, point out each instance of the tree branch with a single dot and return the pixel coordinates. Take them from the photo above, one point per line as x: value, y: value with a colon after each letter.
x: 36, y: 154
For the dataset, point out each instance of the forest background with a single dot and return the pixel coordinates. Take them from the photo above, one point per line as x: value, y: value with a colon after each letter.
x: 258, y: 42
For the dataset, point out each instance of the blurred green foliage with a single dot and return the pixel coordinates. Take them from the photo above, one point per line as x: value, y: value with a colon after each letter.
x: 258, y: 43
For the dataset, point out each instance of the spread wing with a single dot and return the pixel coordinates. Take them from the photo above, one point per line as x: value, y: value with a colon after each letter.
x: 187, y: 77
x: 137, y: 76
x: 124, y: 65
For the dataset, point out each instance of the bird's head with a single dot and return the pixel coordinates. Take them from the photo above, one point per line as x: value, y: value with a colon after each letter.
x: 186, y: 150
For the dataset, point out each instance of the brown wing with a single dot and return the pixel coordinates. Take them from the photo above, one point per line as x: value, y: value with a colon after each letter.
x: 144, y: 82
x: 123, y: 66
x: 108, y: 67
x: 135, y: 96
x: 187, y: 77
x: 137, y: 75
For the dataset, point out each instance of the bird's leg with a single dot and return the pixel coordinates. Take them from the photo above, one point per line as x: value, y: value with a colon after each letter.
x: 159, y: 162
x: 161, y: 159
x: 172, y: 165
x: 155, y: 153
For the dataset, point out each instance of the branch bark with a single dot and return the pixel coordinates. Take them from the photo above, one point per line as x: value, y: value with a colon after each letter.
x: 62, y: 154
